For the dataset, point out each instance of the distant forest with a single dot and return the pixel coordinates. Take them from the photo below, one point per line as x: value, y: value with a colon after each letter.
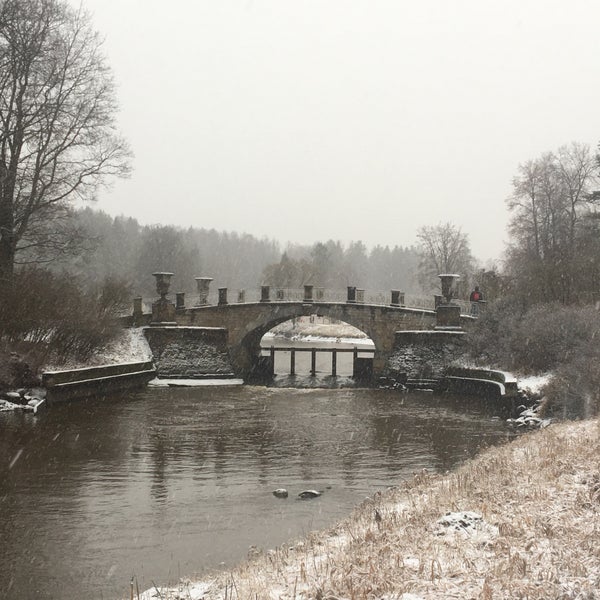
x: 121, y: 248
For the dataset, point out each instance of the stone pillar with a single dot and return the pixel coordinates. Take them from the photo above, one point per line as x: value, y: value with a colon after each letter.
x: 447, y: 316
x: 292, y: 362
x: 397, y: 298
x: 334, y: 363
x: 351, y: 295
x: 241, y: 296
x: 308, y: 293
x: 360, y: 296
x: 319, y: 294
x: 447, y: 313
x: 163, y: 311
x: 203, y: 286
x: 180, y: 301
x: 137, y: 309
x: 222, y: 296
x: 265, y: 292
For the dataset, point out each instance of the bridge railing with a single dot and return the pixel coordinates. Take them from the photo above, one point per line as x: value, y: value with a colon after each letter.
x: 313, y: 294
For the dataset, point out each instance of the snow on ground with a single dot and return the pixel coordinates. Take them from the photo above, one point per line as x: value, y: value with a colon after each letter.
x: 130, y: 346
x: 533, y: 384
x: 321, y: 327
x: 186, y: 590
x: 325, y: 339
x: 192, y: 382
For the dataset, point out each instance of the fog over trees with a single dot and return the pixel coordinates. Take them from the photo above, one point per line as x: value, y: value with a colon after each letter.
x: 119, y: 247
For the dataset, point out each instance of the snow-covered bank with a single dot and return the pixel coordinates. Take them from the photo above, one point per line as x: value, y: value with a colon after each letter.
x: 316, y: 327
x: 129, y: 346
x: 193, y: 382
x: 517, y: 521
x: 308, y: 338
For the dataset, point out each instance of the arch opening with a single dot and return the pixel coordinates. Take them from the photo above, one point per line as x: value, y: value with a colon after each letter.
x: 316, y: 351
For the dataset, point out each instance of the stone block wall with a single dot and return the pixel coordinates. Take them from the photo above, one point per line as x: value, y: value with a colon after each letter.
x: 424, y: 354
x: 189, y: 352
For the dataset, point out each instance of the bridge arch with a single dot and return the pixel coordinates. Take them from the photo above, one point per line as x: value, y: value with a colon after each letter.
x: 233, y: 332
x: 251, y: 343
x: 247, y: 323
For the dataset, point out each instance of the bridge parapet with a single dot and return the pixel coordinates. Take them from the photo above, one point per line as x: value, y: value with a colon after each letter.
x: 319, y: 295
x: 243, y: 318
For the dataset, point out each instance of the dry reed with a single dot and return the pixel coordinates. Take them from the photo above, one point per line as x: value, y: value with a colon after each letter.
x: 538, y: 536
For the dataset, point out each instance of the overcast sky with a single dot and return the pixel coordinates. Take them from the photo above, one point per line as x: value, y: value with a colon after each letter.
x: 344, y: 119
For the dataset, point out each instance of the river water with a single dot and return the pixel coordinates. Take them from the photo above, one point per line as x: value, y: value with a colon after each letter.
x: 170, y: 482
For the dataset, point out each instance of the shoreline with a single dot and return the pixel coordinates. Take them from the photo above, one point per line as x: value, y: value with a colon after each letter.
x: 518, y: 520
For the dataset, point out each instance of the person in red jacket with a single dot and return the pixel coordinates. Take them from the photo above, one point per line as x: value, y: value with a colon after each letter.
x: 476, y: 295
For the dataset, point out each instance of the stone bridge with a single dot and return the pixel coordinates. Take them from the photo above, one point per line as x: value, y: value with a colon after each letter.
x: 247, y: 323
x: 234, y: 331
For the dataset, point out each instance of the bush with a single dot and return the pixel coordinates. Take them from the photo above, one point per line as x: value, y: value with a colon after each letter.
x: 53, y: 312
x: 535, y: 340
x: 575, y: 389
x: 546, y: 337
x: 491, y: 340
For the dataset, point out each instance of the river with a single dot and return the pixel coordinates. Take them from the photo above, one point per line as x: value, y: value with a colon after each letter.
x: 170, y: 482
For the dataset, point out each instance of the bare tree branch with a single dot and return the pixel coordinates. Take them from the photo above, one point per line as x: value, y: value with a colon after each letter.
x: 58, y: 139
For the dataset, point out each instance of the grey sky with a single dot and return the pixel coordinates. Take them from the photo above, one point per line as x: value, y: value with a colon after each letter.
x: 344, y: 119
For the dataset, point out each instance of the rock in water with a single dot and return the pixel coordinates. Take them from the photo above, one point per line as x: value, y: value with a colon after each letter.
x: 308, y: 494
x: 280, y: 493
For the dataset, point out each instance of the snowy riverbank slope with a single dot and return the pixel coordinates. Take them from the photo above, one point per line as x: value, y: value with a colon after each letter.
x: 518, y: 521
x: 129, y: 346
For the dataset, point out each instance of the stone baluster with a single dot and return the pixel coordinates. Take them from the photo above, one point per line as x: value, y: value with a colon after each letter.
x: 397, y: 298
x: 308, y: 293
x: 137, y: 308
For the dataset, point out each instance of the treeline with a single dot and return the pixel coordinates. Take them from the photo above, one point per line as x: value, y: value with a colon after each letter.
x: 331, y: 265
x: 120, y: 248
x: 547, y: 318
x: 554, y: 251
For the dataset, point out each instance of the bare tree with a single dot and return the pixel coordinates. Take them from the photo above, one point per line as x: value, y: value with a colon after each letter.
x: 551, y: 201
x: 443, y: 248
x: 58, y: 139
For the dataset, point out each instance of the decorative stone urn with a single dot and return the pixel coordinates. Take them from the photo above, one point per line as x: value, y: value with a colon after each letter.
x: 163, y: 311
x: 447, y: 313
x: 448, y: 280
x: 203, y: 286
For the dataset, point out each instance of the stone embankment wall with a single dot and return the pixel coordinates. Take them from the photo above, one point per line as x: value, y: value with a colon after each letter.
x: 425, y: 354
x: 189, y: 352
x: 74, y: 384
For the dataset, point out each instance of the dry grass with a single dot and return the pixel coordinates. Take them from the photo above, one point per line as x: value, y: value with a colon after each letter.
x: 539, y: 536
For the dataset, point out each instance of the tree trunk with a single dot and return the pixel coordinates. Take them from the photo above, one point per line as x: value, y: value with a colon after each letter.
x: 7, y: 259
